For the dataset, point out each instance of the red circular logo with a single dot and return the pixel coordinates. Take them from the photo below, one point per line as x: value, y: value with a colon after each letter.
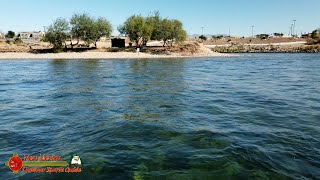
x: 15, y: 163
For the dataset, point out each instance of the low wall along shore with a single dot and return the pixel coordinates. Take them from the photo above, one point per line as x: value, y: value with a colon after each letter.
x: 267, y: 49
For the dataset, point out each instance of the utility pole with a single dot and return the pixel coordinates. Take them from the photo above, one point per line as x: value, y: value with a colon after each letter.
x: 294, y: 26
x: 202, y: 30
x: 291, y: 30
x: 229, y: 32
x: 252, y: 30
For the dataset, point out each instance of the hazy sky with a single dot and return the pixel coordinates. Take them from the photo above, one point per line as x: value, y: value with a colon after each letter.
x: 267, y: 16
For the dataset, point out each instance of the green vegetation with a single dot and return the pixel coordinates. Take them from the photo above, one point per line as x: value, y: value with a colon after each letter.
x: 139, y: 29
x: 267, y: 49
x: 217, y: 37
x: 155, y: 22
x: 314, y: 34
x: 263, y: 36
x: 81, y: 27
x: 202, y: 37
x: 17, y: 40
x: 278, y: 34
x: 101, y: 27
x: 88, y: 29
x: 57, y: 33
x: 10, y: 34
x: 172, y: 31
x: 142, y: 29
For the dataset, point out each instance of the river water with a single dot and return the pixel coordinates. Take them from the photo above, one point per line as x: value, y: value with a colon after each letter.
x: 254, y: 116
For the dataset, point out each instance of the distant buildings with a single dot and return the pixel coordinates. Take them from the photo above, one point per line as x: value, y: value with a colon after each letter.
x: 31, y: 35
x: 308, y: 35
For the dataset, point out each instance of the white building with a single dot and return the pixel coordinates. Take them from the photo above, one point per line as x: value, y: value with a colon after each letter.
x: 1, y: 35
x: 31, y: 35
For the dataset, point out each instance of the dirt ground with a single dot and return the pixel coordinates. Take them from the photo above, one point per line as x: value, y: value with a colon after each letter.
x: 155, y: 47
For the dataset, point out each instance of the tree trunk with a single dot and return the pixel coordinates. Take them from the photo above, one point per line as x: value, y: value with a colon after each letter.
x: 164, y: 42
x: 145, y: 42
x: 71, y: 44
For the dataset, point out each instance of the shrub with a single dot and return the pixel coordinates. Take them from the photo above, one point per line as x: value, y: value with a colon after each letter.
x: 17, y: 41
x: 10, y: 34
x: 204, y: 38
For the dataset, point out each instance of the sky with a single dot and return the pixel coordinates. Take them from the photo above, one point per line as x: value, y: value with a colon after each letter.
x: 215, y: 16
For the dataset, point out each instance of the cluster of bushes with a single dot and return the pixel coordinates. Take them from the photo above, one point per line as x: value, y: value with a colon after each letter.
x: 142, y: 29
x: 203, y: 38
x: 278, y: 34
x: 138, y: 28
x: 262, y: 36
x: 314, y: 37
x: 10, y: 34
x: 217, y: 37
x: 11, y: 37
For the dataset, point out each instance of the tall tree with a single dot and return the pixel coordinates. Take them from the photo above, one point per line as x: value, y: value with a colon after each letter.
x: 101, y: 27
x: 57, y: 33
x: 88, y: 29
x: 81, y: 27
x: 137, y: 29
x: 154, y: 21
x: 172, y: 30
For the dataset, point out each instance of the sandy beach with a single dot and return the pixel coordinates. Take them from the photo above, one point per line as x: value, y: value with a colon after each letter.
x: 104, y: 55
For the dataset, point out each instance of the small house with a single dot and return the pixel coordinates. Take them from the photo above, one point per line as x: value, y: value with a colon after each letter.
x: 31, y: 35
x: 118, y: 42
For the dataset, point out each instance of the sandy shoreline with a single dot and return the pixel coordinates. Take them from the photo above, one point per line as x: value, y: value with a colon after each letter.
x: 104, y: 55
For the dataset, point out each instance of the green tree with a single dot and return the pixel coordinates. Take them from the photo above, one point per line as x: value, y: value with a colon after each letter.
x: 101, y: 27
x: 179, y: 34
x: 171, y: 30
x: 57, y: 33
x: 140, y: 29
x: 137, y: 29
x: 88, y: 29
x: 314, y: 34
x: 81, y: 28
x: 166, y: 29
x: 10, y: 34
x: 155, y: 22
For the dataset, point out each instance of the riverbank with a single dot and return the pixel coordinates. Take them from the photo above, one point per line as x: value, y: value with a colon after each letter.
x: 106, y: 55
x: 267, y: 49
x: 187, y: 50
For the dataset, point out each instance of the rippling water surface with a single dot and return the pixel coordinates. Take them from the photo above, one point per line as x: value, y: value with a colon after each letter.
x: 254, y: 116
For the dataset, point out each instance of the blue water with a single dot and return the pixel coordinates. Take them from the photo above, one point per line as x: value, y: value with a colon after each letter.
x: 250, y: 117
